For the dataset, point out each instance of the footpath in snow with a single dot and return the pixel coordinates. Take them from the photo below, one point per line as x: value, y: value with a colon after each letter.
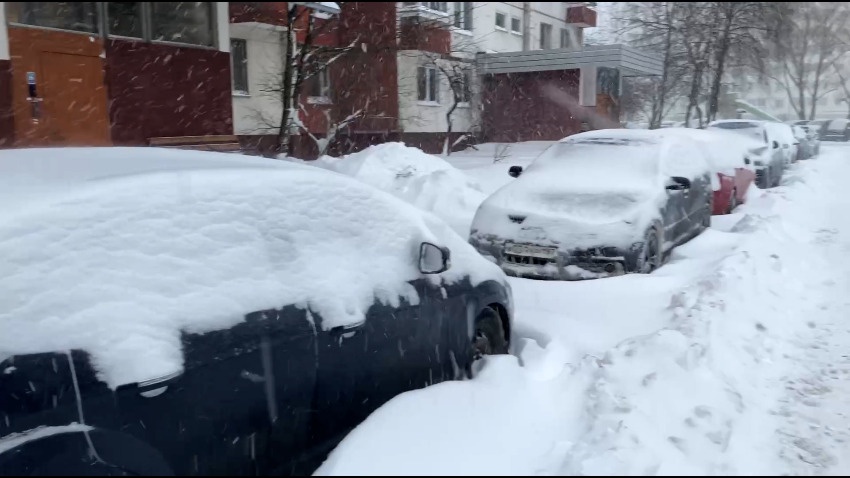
x: 734, y: 358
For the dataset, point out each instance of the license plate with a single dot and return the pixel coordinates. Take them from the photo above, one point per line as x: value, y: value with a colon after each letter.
x: 531, y: 251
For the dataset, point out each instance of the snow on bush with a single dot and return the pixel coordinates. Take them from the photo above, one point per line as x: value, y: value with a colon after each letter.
x: 421, y: 179
x: 116, y: 250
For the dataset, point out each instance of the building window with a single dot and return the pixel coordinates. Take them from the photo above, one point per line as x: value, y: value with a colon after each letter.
x: 516, y: 25
x: 239, y: 64
x: 463, y: 15
x: 124, y: 19
x: 439, y: 6
x: 500, y: 21
x: 76, y: 16
x: 182, y: 22
x: 545, y: 36
x: 428, y: 84
x: 466, y: 88
x: 320, y: 86
x: 566, y: 38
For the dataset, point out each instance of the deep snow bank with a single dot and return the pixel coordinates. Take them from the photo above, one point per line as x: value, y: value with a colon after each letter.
x: 421, y: 179
x: 701, y: 390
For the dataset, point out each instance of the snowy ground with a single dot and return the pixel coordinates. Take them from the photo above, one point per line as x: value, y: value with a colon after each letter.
x: 733, y: 358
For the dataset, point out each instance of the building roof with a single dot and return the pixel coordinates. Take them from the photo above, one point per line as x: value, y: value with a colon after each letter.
x: 630, y: 61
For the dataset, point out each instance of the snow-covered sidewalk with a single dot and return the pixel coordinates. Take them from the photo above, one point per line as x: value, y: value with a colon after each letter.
x: 731, y: 359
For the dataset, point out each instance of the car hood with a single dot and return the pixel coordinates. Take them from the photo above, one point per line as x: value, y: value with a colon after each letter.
x: 567, y: 219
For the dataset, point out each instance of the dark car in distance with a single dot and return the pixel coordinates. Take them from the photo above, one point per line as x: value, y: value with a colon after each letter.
x: 267, y: 391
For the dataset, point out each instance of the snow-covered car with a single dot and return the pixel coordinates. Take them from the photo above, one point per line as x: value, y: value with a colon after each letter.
x: 187, y: 312
x: 730, y: 157
x: 768, y: 158
x: 597, y: 204
x: 806, y: 145
x: 813, y: 134
x: 836, y: 130
x: 788, y: 143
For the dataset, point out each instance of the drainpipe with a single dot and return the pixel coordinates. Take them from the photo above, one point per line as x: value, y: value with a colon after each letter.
x: 526, y: 26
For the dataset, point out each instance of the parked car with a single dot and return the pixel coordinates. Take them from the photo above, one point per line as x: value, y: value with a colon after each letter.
x: 196, y: 313
x: 768, y: 157
x: 836, y: 130
x: 813, y: 133
x: 597, y: 204
x: 788, y: 143
x: 806, y: 145
x: 730, y: 157
x: 820, y: 125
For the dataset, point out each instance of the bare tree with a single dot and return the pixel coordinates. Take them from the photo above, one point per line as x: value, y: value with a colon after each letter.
x: 655, y: 26
x: 303, y: 59
x: 810, y: 38
x: 739, y: 30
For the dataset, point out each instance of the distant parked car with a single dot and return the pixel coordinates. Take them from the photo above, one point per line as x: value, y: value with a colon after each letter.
x: 813, y: 133
x: 837, y: 130
x: 768, y: 158
x: 194, y: 313
x: 788, y: 143
x: 806, y: 145
x: 730, y: 157
x: 597, y: 204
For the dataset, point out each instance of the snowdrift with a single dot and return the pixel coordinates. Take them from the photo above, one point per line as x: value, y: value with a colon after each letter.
x: 421, y: 179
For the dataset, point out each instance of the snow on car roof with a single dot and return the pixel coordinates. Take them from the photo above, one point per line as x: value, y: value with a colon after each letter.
x: 117, y: 250
x: 724, y: 150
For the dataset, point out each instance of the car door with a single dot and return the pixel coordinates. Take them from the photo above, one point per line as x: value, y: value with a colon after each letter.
x: 364, y: 365
x: 684, y: 159
x: 240, y: 406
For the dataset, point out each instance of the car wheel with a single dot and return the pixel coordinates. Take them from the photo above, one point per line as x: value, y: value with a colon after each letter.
x: 489, y: 337
x: 650, y: 254
x: 733, y: 201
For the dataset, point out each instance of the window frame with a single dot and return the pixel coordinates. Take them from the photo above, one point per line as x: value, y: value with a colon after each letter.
x: 322, y: 81
x: 466, y: 95
x: 429, y: 75
x: 547, y: 39
x: 503, y: 27
x: 462, y: 16
x: 237, y: 91
x: 102, y: 26
x: 567, y: 34
x: 519, y: 22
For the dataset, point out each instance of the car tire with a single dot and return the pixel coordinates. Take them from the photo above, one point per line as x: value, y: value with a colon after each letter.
x: 489, y: 335
x: 649, y: 256
x: 733, y: 201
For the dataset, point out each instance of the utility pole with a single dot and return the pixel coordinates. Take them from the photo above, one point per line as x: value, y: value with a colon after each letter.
x: 526, y: 26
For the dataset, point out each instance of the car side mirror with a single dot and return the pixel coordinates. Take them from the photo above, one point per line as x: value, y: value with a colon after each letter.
x: 678, y: 183
x: 775, y: 145
x: 433, y: 259
x: 515, y: 171
x: 747, y: 160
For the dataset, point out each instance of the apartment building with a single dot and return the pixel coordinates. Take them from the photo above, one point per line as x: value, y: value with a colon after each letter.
x: 496, y: 70
x: 98, y: 73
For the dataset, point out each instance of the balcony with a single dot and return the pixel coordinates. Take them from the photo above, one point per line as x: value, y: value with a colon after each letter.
x: 581, y: 16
